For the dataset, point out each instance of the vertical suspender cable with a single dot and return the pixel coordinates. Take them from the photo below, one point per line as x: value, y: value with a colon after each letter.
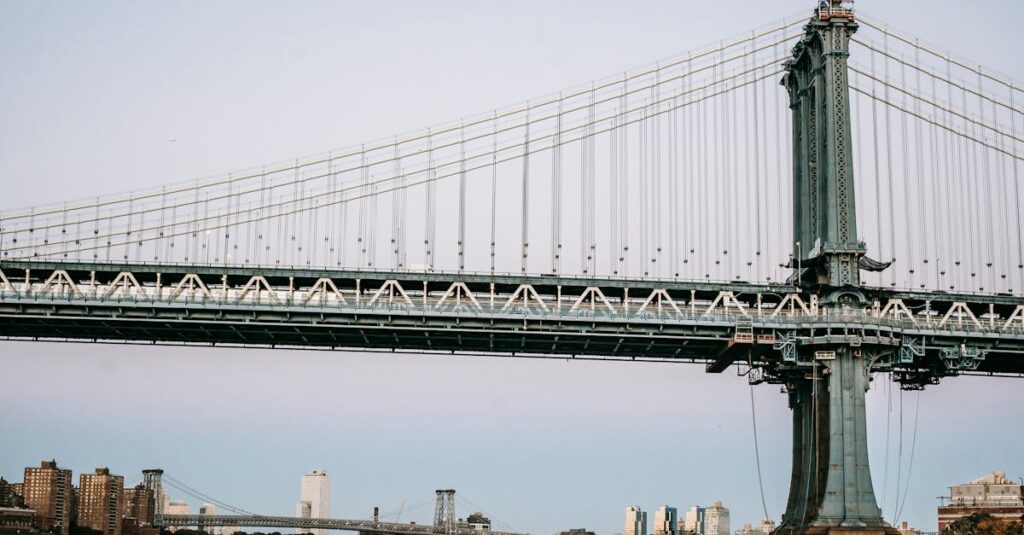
x: 205, y: 236
x: 1016, y: 196
x: 396, y: 206
x: 919, y: 176
x: 758, y: 175
x: 403, y: 202
x: 973, y: 195
x: 673, y: 177
x: 139, y: 239
x: 301, y: 216
x: 332, y: 189
x: 293, y: 217
x: 428, y: 241
x: 732, y: 143
x: 624, y: 175
x: 249, y: 253
x: 372, y: 223
x: 956, y: 156
x: 128, y: 228
x: 1000, y: 199
x: 526, y: 191
x: 888, y: 161
x: 703, y: 188
x: 462, y: 197
x: 584, y: 194
x: 592, y: 184
x: 556, y: 191
x: 945, y: 251
x: 613, y: 232
x: 656, y: 199
x: 342, y: 240
x: 721, y: 191
x: 644, y: 201
x: 191, y: 249
x: 494, y: 183
x: 987, y: 201
x: 64, y: 233
x: 364, y: 172
x: 227, y: 222
x: 779, y: 110
x: 905, y: 157
x: 936, y: 188
x: 690, y: 174
x: 161, y: 241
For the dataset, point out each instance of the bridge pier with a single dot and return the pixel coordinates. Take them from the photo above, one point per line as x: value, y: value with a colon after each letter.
x: 830, y: 489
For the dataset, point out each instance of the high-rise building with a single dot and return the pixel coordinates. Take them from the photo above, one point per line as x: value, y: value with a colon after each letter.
x: 176, y: 508
x: 993, y: 494
x: 636, y: 521
x: 693, y: 521
x: 716, y: 520
x: 477, y: 522
x: 101, y: 501
x: 207, y: 509
x: 767, y: 526
x: 665, y: 521
x: 172, y: 507
x: 47, y: 490
x: 10, y: 494
x: 314, y: 499
x: 19, y: 490
x: 140, y: 504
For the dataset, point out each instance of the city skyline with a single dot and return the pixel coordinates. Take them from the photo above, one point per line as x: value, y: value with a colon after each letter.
x: 523, y: 410
x: 50, y: 493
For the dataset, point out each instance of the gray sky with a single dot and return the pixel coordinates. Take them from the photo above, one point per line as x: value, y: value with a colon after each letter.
x: 90, y: 96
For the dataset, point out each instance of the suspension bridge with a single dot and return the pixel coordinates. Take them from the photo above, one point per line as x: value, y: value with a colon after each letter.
x: 446, y: 521
x: 692, y: 210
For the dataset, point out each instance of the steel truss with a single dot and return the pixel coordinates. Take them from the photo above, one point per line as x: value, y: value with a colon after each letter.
x: 718, y: 324
x: 287, y: 522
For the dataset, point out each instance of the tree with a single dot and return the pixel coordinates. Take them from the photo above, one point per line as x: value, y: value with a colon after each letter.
x: 984, y: 524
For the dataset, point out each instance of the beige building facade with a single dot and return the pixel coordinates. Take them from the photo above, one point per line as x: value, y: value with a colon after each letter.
x: 666, y: 521
x: 992, y: 494
x: 636, y: 521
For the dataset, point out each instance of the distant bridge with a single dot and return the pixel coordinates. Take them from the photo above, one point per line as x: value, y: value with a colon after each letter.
x: 287, y: 522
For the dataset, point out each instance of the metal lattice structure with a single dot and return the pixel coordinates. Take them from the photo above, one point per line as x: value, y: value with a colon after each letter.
x: 904, y: 252
x: 444, y: 512
x: 287, y: 522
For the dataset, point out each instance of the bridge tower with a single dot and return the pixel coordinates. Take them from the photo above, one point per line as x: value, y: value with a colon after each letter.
x: 444, y: 512
x: 152, y: 479
x: 830, y: 489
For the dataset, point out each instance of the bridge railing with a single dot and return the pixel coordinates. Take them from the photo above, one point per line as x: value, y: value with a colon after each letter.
x: 764, y: 306
x: 283, y: 522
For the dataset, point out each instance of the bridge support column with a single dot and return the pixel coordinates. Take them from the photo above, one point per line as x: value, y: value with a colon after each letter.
x: 830, y: 490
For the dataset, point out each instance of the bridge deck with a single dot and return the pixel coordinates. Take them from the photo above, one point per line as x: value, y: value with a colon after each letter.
x: 286, y: 522
x: 484, y: 313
